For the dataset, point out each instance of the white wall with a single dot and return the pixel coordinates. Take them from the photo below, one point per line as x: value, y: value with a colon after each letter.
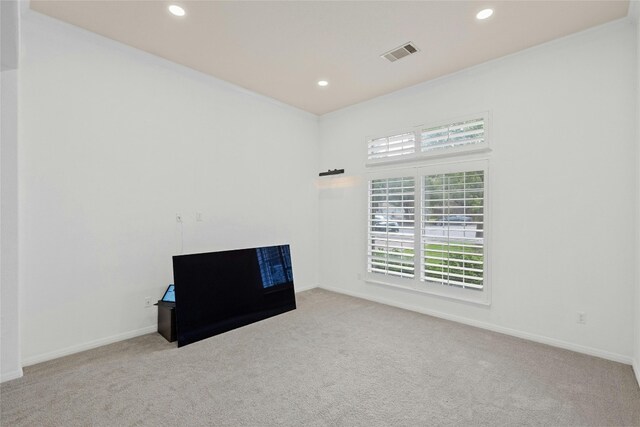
x: 9, y: 314
x: 634, y: 13
x: 115, y: 142
x: 562, y: 182
x: 10, y: 366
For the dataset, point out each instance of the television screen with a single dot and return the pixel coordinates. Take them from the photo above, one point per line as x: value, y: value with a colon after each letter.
x: 219, y: 291
x: 169, y: 294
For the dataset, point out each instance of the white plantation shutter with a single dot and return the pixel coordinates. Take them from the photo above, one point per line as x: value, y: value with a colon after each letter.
x: 453, y: 135
x: 452, y: 217
x: 456, y: 136
x: 391, y: 237
x: 392, y: 146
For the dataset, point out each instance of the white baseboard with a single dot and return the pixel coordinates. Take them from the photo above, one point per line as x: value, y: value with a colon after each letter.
x: 304, y: 288
x: 8, y: 376
x: 636, y: 370
x: 495, y: 328
x: 88, y: 346
x: 100, y: 342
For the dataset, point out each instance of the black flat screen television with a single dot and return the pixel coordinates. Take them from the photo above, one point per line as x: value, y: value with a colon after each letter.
x: 219, y: 291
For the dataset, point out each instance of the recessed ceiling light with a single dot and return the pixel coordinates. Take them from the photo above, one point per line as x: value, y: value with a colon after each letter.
x: 323, y: 83
x: 484, y: 14
x: 176, y: 10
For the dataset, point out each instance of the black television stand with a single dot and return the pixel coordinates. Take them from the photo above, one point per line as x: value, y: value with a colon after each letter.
x: 167, y: 320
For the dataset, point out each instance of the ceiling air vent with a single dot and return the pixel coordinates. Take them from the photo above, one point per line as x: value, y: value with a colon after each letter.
x: 400, y: 52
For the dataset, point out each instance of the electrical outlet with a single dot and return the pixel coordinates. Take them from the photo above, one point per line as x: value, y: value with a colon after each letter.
x: 582, y: 317
x: 178, y: 217
x: 147, y: 302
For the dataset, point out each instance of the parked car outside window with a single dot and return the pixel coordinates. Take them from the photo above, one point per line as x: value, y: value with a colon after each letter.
x: 382, y: 223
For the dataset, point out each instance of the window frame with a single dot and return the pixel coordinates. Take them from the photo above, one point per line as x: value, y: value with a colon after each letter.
x: 482, y: 297
x: 418, y: 154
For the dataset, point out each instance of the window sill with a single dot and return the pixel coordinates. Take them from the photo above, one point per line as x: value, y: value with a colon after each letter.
x: 484, y: 301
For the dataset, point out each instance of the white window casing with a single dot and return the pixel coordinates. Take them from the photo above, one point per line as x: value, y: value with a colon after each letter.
x: 428, y: 229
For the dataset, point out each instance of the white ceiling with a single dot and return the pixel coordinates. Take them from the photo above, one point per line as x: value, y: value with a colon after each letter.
x: 282, y: 48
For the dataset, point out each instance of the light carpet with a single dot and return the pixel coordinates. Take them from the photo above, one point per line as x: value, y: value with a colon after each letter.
x: 335, y: 361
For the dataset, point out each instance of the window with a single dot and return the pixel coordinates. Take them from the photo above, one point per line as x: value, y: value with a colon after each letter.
x: 392, y: 146
x: 462, y: 135
x: 391, y: 234
x: 427, y: 228
x: 452, y: 135
x: 453, y: 229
